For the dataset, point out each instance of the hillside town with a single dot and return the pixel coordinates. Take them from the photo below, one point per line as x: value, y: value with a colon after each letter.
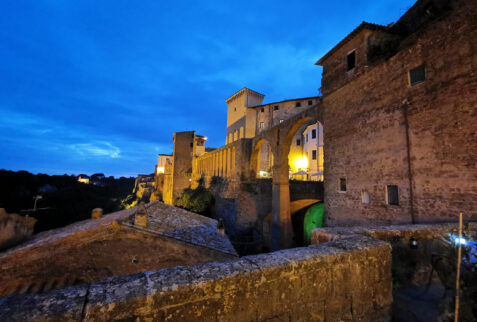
x: 351, y: 205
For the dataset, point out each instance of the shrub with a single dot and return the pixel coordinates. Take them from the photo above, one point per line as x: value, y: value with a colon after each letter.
x: 197, y: 200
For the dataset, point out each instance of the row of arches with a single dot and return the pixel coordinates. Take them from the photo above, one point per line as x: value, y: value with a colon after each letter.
x: 220, y: 163
x: 235, y: 135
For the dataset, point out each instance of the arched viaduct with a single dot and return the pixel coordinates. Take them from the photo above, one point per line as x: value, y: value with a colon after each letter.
x: 237, y: 162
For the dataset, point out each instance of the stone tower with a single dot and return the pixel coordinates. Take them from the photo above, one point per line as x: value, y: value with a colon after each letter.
x: 241, y: 116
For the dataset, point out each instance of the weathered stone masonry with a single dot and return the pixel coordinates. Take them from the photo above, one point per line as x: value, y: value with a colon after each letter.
x: 381, y: 131
x: 341, y: 280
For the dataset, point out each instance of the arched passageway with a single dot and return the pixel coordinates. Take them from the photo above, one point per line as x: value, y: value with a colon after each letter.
x: 304, y: 219
x: 287, y: 151
x: 280, y: 138
x: 262, y: 160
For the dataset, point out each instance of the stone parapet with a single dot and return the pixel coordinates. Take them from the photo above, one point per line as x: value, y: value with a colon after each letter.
x: 347, y: 279
x: 390, y: 232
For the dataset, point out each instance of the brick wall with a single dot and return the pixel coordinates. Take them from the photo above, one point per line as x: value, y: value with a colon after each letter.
x: 368, y: 119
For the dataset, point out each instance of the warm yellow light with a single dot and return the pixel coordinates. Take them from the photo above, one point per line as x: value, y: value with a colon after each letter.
x: 263, y: 174
x: 160, y: 169
x: 301, y: 163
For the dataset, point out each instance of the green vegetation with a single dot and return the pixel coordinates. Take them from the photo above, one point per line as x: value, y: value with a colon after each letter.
x: 64, y: 199
x: 197, y: 200
x: 129, y: 202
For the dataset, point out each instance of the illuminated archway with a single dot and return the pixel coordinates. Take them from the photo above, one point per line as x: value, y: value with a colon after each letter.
x: 262, y: 160
x: 302, y: 151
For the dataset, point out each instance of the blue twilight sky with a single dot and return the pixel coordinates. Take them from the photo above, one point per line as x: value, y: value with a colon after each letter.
x: 100, y: 86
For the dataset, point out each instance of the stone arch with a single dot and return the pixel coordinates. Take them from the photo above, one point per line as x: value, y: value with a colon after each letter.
x: 255, y: 158
x: 286, y: 142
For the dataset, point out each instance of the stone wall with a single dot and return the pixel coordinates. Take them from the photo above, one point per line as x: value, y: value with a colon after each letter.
x: 381, y: 131
x: 341, y: 280
x: 306, y: 190
x: 411, y: 266
x: 271, y: 114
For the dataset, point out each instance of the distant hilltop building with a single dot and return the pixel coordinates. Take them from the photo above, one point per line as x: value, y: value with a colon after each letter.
x: 143, y: 186
x: 96, y: 179
x: 392, y: 139
x: 83, y: 178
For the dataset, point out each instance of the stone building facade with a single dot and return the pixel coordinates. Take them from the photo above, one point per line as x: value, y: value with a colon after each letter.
x: 246, y: 117
x: 398, y: 116
x: 144, y: 186
x: 400, y: 111
x: 177, y: 174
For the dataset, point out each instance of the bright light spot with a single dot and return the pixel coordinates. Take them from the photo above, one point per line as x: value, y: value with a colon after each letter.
x: 263, y: 174
x: 460, y: 240
x: 301, y: 163
x: 160, y: 169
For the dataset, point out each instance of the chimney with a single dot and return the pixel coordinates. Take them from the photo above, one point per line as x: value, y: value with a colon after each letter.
x: 140, y: 218
x: 220, y: 227
x: 97, y: 213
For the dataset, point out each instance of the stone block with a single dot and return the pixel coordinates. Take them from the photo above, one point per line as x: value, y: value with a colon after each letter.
x: 140, y: 219
x: 97, y: 213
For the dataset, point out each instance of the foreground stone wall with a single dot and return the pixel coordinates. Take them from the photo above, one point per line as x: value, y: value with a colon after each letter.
x: 341, y: 280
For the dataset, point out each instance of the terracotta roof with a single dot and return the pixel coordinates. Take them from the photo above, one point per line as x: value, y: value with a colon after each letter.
x: 186, y: 226
x: 357, y: 30
x: 53, y: 235
x: 165, y: 220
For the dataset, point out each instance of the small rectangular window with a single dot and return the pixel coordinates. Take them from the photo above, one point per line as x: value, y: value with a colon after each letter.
x: 298, y: 141
x: 342, y: 184
x: 306, y: 137
x: 365, y: 197
x: 191, y: 144
x: 313, y: 134
x: 351, y: 60
x: 310, y: 102
x: 392, y: 195
x: 298, y: 104
x: 262, y: 110
x: 262, y: 125
x: 275, y: 107
x: 417, y: 75
x: 313, y: 154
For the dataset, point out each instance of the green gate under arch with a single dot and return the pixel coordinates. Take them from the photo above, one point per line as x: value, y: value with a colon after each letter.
x: 313, y: 219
